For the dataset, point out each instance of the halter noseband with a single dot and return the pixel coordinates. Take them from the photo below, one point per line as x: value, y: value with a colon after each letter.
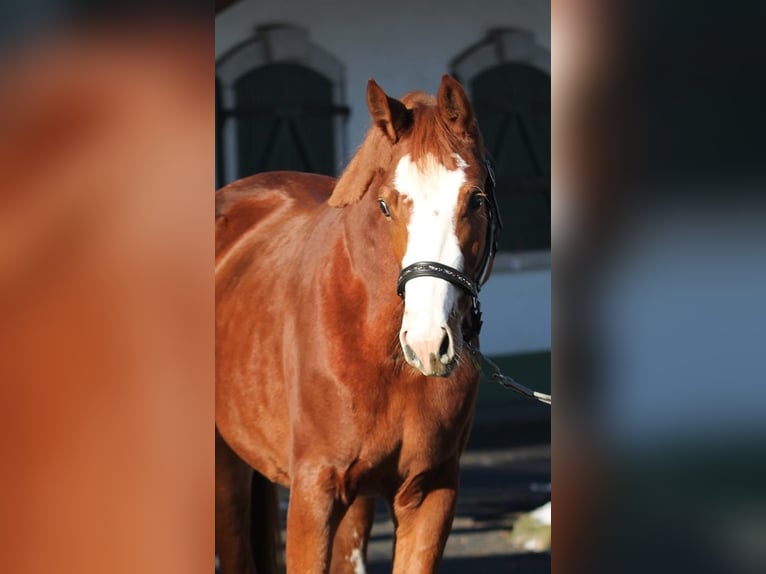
x: 458, y: 278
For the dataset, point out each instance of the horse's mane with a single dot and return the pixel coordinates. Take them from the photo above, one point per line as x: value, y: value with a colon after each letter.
x: 367, y: 164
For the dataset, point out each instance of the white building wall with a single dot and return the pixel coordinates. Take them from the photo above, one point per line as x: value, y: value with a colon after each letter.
x: 407, y: 45
x: 517, y: 312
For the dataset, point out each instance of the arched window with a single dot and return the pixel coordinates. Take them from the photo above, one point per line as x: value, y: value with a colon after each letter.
x: 280, y: 102
x: 508, y: 77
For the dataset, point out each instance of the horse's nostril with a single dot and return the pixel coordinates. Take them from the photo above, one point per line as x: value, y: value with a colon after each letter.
x: 444, y: 346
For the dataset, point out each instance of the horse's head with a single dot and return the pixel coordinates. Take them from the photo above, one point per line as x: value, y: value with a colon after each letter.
x: 430, y: 176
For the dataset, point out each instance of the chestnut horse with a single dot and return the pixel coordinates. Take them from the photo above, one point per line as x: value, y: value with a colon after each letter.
x: 345, y: 315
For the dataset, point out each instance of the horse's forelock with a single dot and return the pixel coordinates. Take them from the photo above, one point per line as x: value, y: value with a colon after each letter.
x: 430, y: 137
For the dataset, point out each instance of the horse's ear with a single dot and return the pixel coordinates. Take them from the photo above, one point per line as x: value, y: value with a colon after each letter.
x: 454, y: 107
x: 389, y: 114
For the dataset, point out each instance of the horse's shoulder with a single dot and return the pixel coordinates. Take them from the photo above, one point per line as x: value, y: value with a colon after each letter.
x: 247, y: 201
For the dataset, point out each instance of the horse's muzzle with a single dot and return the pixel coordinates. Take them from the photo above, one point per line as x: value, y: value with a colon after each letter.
x: 432, y: 356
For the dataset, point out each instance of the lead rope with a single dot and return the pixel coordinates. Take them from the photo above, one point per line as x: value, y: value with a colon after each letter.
x: 508, y: 382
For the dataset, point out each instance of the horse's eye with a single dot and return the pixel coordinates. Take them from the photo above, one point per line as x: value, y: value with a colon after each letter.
x: 384, y: 207
x: 475, y: 202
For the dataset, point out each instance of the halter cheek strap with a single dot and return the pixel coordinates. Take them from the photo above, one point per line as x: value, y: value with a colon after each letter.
x: 458, y: 278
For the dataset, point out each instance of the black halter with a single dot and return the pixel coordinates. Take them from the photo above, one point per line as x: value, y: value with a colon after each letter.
x: 458, y: 278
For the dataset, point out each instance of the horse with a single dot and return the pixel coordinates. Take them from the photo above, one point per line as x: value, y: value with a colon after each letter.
x: 347, y: 323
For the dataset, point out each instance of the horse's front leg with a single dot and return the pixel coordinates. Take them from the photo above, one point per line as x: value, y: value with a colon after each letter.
x: 423, y: 511
x: 349, y: 550
x: 312, y: 519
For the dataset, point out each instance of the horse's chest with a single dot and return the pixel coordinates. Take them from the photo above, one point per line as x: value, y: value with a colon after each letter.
x: 425, y: 430
x: 436, y: 422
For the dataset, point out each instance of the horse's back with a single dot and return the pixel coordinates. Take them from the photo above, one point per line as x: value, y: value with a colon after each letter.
x: 246, y: 202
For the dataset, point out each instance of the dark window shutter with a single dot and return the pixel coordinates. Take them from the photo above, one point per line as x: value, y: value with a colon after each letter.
x: 512, y: 103
x: 218, y: 136
x: 285, y: 120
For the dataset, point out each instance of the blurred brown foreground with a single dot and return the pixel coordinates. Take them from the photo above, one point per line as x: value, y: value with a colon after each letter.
x: 106, y: 250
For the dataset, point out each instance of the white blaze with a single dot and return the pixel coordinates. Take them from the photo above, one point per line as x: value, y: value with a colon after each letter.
x: 434, y: 191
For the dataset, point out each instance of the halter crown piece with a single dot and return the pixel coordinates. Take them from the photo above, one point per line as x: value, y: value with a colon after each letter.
x: 458, y: 278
